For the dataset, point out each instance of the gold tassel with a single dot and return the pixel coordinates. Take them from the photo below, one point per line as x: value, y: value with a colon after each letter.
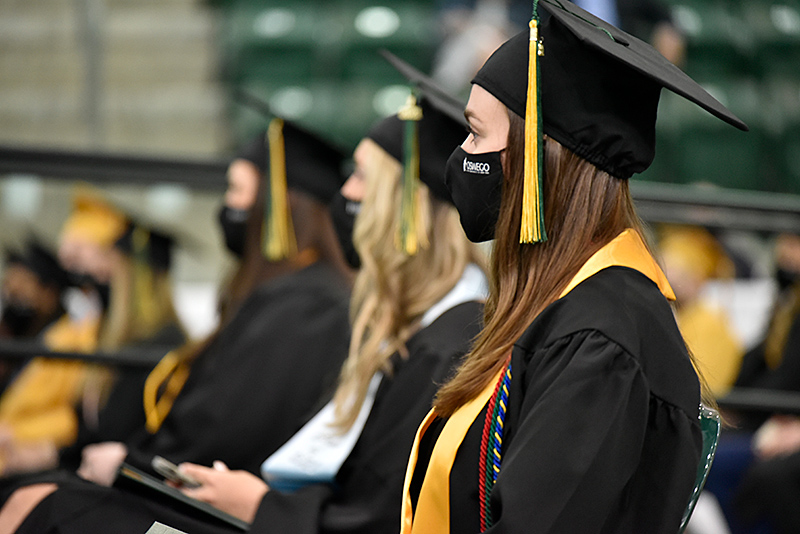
x: 411, y: 232
x: 279, y: 238
x: 532, y: 229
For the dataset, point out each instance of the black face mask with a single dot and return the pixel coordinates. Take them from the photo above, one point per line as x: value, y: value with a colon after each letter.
x: 18, y: 318
x: 234, y: 228
x: 475, y: 182
x: 343, y: 214
x: 786, y: 278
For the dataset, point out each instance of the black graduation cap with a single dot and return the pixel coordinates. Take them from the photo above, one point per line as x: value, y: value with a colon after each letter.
x: 313, y: 165
x: 441, y: 128
x: 291, y: 156
x: 147, y: 245
x: 13, y: 257
x: 41, y: 262
x: 597, y: 86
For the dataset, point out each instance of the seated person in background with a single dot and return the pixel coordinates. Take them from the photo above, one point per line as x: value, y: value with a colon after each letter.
x: 415, y: 310
x: 240, y: 393
x: 768, y: 491
x: 752, y: 455
x: 37, y: 411
x: 32, y: 289
x: 141, y: 311
x: 775, y: 362
x: 692, y: 257
x: 129, y: 284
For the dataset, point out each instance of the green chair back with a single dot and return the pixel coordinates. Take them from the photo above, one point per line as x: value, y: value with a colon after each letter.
x: 710, y: 426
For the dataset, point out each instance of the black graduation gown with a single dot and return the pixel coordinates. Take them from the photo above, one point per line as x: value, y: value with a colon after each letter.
x: 602, y: 431
x: 368, y: 490
x: 755, y: 373
x: 369, y: 486
x: 260, y: 379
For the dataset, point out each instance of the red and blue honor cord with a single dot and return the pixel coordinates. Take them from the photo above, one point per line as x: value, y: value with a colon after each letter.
x: 492, y: 446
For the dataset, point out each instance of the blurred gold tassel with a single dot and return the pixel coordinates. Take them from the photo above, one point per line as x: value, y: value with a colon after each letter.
x: 279, y: 238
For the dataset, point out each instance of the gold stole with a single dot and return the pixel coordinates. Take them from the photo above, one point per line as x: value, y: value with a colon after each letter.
x: 433, y: 507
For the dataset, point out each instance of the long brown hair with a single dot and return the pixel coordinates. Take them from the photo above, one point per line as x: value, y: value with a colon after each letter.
x: 314, y: 232
x: 585, y: 208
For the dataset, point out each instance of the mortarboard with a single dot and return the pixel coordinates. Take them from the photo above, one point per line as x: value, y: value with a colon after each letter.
x: 591, y: 87
x: 421, y: 137
x: 13, y: 257
x: 94, y: 219
x: 148, y: 246
x: 695, y: 250
x: 313, y: 165
x: 290, y: 156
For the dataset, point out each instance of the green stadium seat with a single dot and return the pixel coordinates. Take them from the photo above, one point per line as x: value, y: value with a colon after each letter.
x: 705, y: 149
x: 275, y: 39
x: 344, y: 111
x: 719, y: 42
x: 784, y: 115
x: 406, y: 28
x: 776, y: 29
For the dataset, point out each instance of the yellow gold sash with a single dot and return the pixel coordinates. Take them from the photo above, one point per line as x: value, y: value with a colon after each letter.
x: 433, y: 508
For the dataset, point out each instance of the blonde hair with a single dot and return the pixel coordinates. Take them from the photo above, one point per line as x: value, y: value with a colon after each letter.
x: 393, y: 290
x: 141, y: 304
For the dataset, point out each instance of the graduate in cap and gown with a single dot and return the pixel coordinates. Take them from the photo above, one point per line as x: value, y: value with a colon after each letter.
x: 416, y: 307
x: 38, y: 410
x: 123, y: 268
x: 32, y: 289
x: 283, y: 334
x: 577, y: 409
x: 284, y: 329
x: 31, y: 294
x: 150, y: 318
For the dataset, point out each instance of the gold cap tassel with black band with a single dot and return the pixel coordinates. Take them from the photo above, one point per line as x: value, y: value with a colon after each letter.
x: 532, y: 229
x: 411, y: 233
x: 279, y: 240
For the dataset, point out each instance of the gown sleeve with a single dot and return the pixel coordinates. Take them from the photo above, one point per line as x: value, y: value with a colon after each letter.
x: 580, y: 434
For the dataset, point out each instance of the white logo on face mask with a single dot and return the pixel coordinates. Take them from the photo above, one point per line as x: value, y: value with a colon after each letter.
x: 476, y: 167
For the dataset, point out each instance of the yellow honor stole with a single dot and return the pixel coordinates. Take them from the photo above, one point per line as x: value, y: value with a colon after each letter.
x: 432, y: 514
